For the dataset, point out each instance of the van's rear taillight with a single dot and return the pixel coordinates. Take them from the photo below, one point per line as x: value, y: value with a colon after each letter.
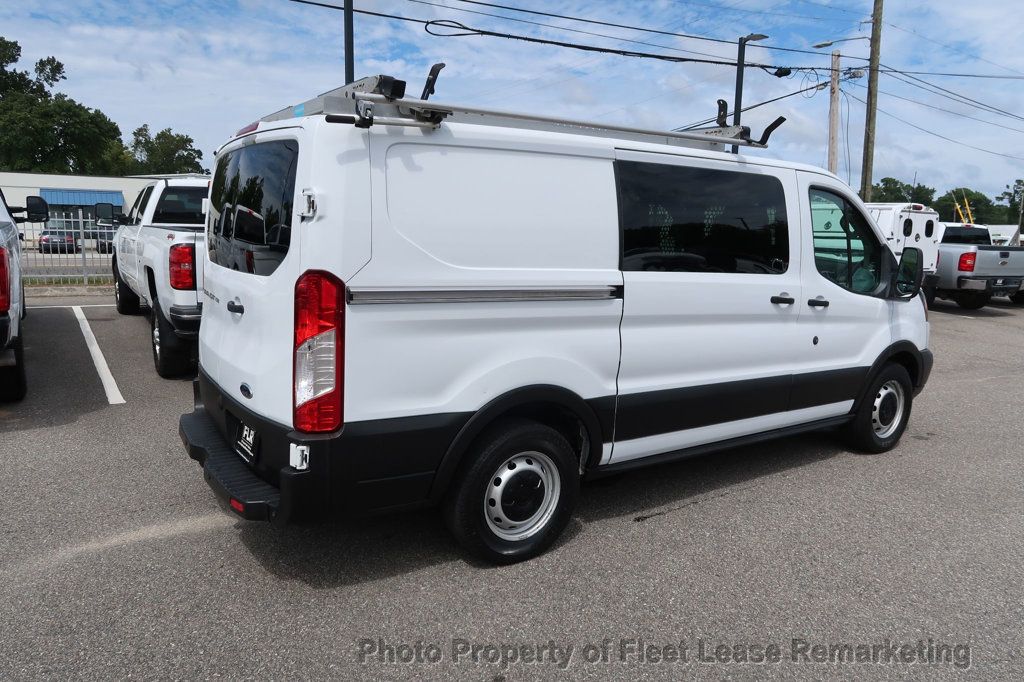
x: 5, y: 281
x: 182, y: 268
x: 967, y: 261
x: 318, y: 378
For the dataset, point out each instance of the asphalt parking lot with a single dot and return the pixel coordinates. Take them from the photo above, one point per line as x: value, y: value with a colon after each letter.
x: 118, y: 561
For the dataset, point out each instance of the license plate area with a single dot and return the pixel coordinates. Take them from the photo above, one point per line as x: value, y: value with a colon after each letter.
x: 246, y: 440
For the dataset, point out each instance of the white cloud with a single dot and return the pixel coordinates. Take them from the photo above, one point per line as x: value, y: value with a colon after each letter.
x: 208, y: 68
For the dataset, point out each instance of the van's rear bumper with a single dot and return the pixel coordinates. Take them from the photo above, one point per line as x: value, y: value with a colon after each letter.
x: 366, y: 467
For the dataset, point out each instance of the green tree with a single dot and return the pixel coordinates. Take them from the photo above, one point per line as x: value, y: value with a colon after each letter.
x: 46, y: 132
x: 983, y: 208
x: 891, y: 190
x: 165, y: 152
x: 1012, y: 196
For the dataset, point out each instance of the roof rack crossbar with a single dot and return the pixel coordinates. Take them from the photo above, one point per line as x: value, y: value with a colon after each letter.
x: 365, y: 101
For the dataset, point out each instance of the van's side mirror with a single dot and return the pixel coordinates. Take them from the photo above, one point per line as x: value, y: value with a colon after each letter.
x: 104, y: 212
x: 909, y: 274
x: 36, y: 209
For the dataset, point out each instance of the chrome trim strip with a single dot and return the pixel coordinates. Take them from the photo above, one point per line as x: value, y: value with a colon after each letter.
x: 357, y: 296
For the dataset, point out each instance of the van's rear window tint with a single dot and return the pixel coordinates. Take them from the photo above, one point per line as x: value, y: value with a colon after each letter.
x: 180, y: 206
x: 250, y: 223
x: 687, y: 219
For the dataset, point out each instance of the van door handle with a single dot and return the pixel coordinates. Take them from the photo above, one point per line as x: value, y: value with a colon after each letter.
x: 783, y: 300
x: 817, y: 303
x: 235, y: 307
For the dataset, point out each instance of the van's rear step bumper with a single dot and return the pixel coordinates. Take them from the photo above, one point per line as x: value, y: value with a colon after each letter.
x: 225, y: 472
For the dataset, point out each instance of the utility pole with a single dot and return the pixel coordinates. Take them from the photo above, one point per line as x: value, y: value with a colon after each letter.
x: 872, y: 108
x: 833, y: 117
x: 350, y: 67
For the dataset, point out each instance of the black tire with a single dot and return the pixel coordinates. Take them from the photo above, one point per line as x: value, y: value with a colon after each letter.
x: 890, y: 397
x: 972, y: 300
x: 125, y: 299
x: 500, y: 448
x: 1017, y: 298
x: 172, y: 356
x: 13, y: 382
x: 929, y: 296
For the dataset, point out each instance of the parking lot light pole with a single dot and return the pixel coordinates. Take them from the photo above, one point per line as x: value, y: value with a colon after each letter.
x: 738, y: 102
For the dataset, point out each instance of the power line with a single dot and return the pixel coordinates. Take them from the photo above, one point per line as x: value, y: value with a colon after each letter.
x: 949, y: 47
x: 818, y: 86
x: 948, y: 111
x: 941, y: 137
x: 938, y: 89
x: 560, y: 28
x: 641, y: 28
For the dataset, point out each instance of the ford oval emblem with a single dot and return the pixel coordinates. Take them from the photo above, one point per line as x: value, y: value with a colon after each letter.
x: 246, y: 391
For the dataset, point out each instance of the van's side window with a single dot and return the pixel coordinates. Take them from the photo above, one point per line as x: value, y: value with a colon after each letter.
x: 684, y: 219
x: 251, y: 197
x: 846, y: 251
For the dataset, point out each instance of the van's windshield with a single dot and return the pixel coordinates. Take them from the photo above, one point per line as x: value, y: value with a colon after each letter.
x: 966, y: 235
x: 250, y: 223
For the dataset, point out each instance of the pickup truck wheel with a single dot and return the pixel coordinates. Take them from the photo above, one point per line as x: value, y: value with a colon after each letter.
x: 972, y: 300
x: 1017, y: 298
x: 884, y: 412
x: 171, y: 356
x: 126, y: 300
x: 929, y: 296
x: 13, y: 383
x: 515, y: 493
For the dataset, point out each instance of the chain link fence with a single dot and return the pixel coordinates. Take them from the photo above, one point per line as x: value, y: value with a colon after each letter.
x: 70, y: 248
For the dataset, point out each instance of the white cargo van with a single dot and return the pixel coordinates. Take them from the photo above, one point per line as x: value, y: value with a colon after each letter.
x: 479, y: 309
x: 914, y: 225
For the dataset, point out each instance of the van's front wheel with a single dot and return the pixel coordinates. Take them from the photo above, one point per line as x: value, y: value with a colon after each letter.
x: 882, y: 416
x: 516, y: 493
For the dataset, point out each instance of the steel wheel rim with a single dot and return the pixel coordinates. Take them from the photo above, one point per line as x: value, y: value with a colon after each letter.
x: 887, y: 410
x: 156, y: 336
x: 521, y: 496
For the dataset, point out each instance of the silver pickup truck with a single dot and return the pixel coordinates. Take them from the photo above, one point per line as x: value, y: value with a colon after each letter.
x: 971, y: 270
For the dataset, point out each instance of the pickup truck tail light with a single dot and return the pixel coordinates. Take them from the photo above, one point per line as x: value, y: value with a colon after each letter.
x: 183, y: 266
x: 5, y: 281
x: 318, y: 372
x: 967, y: 261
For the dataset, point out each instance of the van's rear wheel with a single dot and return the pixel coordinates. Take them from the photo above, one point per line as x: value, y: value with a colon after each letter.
x: 171, y: 356
x: 126, y: 300
x: 970, y: 300
x: 884, y: 413
x: 13, y: 383
x: 515, y: 494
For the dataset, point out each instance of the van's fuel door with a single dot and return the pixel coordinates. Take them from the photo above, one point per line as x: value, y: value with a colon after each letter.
x: 308, y: 209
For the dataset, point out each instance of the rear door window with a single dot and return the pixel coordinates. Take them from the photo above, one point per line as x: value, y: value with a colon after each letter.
x: 250, y: 223
x: 180, y: 206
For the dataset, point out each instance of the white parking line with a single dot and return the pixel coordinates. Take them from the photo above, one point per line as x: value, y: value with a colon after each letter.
x: 114, y: 396
x: 84, y: 305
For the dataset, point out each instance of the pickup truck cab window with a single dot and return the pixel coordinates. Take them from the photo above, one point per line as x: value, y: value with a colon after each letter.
x: 180, y: 206
x: 846, y: 250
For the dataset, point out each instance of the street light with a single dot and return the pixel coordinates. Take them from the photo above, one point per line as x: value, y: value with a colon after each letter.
x: 738, y: 104
x: 830, y: 43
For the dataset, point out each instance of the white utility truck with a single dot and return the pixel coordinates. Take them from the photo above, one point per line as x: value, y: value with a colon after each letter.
x: 437, y: 304
x: 155, y: 265
x: 917, y: 225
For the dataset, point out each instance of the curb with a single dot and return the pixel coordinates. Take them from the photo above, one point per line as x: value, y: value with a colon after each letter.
x: 32, y: 291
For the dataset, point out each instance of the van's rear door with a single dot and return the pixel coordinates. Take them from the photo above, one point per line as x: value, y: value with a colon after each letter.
x: 246, y: 338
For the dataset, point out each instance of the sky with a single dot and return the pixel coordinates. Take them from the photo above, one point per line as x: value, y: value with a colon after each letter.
x: 208, y: 68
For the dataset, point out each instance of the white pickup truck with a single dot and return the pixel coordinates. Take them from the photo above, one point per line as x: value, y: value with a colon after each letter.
x: 13, y: 382
x: 155, y: 265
